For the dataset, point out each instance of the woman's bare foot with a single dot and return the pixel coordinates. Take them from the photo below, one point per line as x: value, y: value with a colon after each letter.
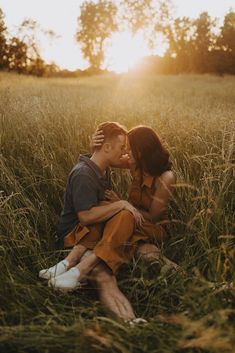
x: 151, y: 252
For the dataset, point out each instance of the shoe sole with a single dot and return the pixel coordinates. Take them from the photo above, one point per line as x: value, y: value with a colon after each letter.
x: 48, y: 275
x: 45, y: 275
x: 65, y: 290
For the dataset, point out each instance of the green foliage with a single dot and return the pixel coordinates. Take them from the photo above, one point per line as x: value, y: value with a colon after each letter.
x: 3, y: 42
x: 44, y: 125
x: 137, y: 14
x: 17, y: 55
x: 228, y: 32
x: 20, y: 53
x: 193, y: 45
x: 96, y: 23
x: 203, y: 43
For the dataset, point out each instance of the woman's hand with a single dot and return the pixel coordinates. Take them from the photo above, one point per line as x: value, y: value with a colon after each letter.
x: 111, y: 196
x: 125, y: 160
x: 139, y: 219
x: 97, y: 139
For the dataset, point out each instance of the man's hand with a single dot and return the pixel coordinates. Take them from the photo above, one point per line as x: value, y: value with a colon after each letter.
x: 111, y: 196
x: 139, y: 219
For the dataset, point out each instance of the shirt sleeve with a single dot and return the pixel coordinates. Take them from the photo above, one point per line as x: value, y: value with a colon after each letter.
x: 84, y: 193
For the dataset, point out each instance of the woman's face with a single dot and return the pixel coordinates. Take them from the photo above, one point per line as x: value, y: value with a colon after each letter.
x: 129, y: 152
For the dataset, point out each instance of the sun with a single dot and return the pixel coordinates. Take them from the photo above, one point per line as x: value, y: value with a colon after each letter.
x: 124, y: 50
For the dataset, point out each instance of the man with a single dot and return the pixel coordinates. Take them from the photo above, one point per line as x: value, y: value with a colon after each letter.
x: 86, y: 217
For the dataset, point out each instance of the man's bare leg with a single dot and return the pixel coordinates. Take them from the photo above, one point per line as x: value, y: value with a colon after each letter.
x: 112, y: 299
x: 61, y: 267
x: 71, y: 279
x: 75, y: 254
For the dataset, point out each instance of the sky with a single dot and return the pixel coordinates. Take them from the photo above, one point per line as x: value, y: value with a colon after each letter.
x: 61, y: 17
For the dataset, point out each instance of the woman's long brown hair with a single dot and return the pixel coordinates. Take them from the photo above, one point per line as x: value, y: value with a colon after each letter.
x: 149, y: 153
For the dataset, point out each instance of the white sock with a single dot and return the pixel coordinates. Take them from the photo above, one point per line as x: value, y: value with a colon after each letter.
x: 86, y: 254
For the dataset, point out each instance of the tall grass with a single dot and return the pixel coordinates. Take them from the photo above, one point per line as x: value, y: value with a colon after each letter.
x: 45, y: 124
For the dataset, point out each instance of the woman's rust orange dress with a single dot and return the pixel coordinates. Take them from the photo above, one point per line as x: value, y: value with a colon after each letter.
x: 115, y: 240
x: 141, y: 194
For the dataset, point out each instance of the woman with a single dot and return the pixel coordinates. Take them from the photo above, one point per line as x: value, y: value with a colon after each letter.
x: 151, y: 188
x: 150, y: 193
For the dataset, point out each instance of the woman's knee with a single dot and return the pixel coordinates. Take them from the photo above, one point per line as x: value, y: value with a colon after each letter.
x: 148, y: 250
x: 127, y: 215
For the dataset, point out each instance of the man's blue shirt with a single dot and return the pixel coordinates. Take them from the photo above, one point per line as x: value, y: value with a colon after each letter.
x: 85, y: 189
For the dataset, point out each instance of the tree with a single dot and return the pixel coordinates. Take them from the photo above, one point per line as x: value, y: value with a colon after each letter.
x: 179, y: 36
x: 3, y: 43
x: 96, y: 23
x: 137, y: 13
x: 152, y: 17
x: 28, y: 33
x: 227, y: 35
x: 226, y: 45
x: 17, y: 55
x: 203, y: 43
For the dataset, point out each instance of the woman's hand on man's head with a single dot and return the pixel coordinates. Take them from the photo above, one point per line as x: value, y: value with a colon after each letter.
x: 97, y: 139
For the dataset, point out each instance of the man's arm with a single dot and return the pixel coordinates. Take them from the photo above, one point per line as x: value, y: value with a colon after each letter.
x: 100, y: 213
x: 103, y: 213
x: 86, y: 203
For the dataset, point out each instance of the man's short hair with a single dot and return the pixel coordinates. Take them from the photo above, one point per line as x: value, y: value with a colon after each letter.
x: 111, y: 129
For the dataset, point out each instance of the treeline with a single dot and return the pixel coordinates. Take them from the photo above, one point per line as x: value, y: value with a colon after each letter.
x: 21, y: 53
x: 193, y: 45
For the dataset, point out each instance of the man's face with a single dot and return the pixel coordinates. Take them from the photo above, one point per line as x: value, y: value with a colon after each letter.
x: 117, y: 150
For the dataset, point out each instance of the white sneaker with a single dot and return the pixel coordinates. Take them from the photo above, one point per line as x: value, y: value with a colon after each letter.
x: 67, y: 282
x: 54, y: 271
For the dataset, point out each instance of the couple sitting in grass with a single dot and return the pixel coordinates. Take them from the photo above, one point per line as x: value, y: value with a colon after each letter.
x: 103, y: 231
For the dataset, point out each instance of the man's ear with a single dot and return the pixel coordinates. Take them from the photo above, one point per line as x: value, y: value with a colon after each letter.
x: 106, y: 147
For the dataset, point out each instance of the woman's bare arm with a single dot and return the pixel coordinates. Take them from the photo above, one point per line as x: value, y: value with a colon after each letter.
x: 163, y: 192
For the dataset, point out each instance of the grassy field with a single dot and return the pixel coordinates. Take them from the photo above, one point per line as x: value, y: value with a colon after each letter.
x: 44, y: 125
